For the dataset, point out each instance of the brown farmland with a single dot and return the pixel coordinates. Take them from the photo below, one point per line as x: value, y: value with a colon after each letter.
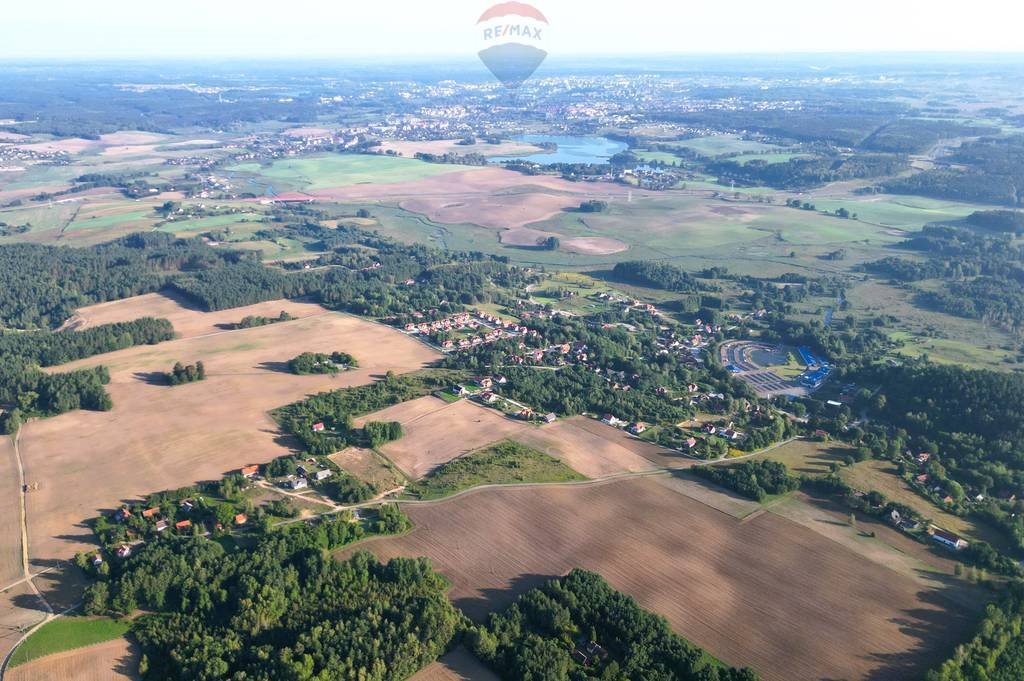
x: 159, y: 437
x: 435, y: 432
x: 11, y: 568
x: 458, y: 665
x: 766, y: 592
x: 187, y: 321
x: 116, y: 660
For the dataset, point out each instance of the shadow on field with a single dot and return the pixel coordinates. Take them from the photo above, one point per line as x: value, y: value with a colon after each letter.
x: 151, y: 377
x: 496, y: 600
x: 937, y: 629
x: 277, y: 367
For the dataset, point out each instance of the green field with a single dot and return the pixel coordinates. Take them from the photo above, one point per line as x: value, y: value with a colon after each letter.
x: 900, y: 212
x: 656, y: 156
x: 502, y: 464
x: 42, y: 218
x: 343, y: 170
x: 114, y: 220
x: 68, y: 633
x: 209, y: 223
x: 769, y: 158
x: 717, y: 145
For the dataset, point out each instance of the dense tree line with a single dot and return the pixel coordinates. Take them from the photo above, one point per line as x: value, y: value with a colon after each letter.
x: 26, y: 392
x: 48, y: 348
x: 658, y: 275
x: 579, y: 628
x: 41, y: 286
x: 753, y: 479
x: 803, y: 173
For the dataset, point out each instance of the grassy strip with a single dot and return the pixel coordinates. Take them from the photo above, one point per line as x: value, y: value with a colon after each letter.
x: 68, y: 633
x: 505, y: 463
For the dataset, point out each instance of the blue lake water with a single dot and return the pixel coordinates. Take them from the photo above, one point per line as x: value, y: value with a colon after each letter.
x: 570, y: 149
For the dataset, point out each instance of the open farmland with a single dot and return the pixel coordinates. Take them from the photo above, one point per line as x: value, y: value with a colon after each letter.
x: 187, y: 322
x: 832, y: 613
x: 11, y: 568
x: 341, y: 170
x: 458, y: 665
x: 160, y: 437
x: 115, y: 660
x: 436, y: 432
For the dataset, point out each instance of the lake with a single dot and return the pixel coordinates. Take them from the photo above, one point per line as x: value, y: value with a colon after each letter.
x: 570, y: 149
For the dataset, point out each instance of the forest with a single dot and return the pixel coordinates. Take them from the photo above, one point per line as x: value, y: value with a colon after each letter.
x: 283, y: 609
x: 27, y: 391
x: 992, y: 175
x: 579, y: 628
x: 42, y: 286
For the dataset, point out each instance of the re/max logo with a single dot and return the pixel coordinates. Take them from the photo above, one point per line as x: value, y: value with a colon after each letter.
x: 512, y: 31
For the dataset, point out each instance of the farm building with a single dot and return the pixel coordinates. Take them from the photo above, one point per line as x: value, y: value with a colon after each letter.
x: 948, y: 539
x: 250, y: 471
x: 299, y: 483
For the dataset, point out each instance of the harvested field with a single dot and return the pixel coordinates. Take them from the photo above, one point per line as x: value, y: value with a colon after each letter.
x: 437, y: 432
x: 116, y: 660
x: 524, y: 237
x: 457, y: 185
x: 188, y: 322
x: 651, y: 452
x: 410, y: 148
x: 71, y: 145
x: 806, y: 457
x: 10, y: 515
x: 767, y: 592
x: 594, y: 245
x: 594, y: 454
x: 458, y: 665
x: 889, y: 547
x: 370, y: 467
x: 159, y: 437
x: 500, y: 211
x: 20, y: 610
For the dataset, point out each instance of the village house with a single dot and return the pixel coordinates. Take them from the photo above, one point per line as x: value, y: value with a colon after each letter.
x: 320, y: 476
x: 183, y: 525
x: 550, y: 418
x: 162, y: 525
x: 97, y: 560
x: 299, y: 483
x: 637, y: 428
x: 151, y: 512
x: 611, y: 420
x: 124, y: 551
x: 241, y: 519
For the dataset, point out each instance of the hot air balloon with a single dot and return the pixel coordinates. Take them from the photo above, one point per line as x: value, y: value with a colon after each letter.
x: 513, y: 35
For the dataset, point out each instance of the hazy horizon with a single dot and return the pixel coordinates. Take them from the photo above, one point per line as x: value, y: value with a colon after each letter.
x: 117, y: 29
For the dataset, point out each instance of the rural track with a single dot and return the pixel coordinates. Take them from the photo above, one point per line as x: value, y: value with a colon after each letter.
x: 27, y: 576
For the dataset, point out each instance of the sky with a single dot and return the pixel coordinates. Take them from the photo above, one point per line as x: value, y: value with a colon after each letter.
x: 381, y: 29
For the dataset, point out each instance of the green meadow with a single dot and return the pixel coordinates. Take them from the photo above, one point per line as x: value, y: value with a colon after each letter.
x: 325, y: 171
